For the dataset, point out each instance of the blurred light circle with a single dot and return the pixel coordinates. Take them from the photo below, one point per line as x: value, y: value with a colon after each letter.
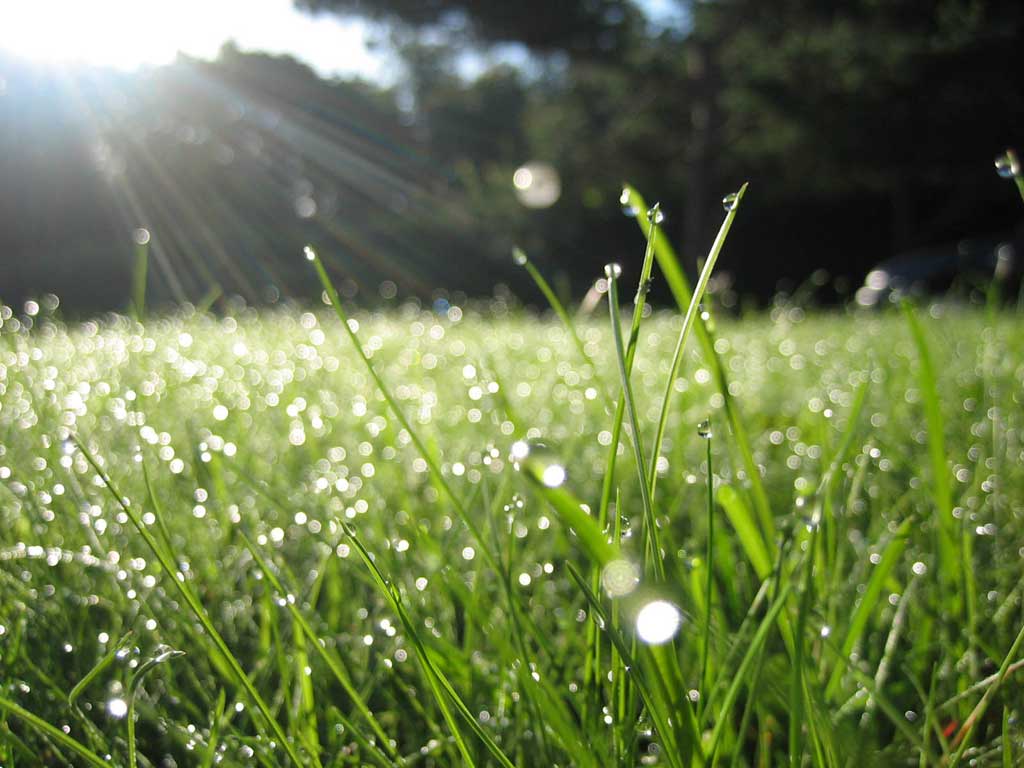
x: 140, y: 236
x: 658, y: 621
x: 537, y: 185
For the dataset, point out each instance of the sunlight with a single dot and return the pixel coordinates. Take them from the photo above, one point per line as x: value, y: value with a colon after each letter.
x: 128, y: 34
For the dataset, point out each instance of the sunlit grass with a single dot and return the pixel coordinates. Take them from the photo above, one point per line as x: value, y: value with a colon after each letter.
x: 353, y: 565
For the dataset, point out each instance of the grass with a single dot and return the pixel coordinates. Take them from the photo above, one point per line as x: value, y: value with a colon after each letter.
x: 407, y: 538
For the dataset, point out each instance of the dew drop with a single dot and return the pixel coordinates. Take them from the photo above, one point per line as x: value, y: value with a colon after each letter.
x: 629, y: 208
x: 729, y: 201
x: 310, y: 253
x: 1007, y: 166
x: 655, y: 214
x: 519, y: 257
x: 613, y: 271
x: 704, y: 429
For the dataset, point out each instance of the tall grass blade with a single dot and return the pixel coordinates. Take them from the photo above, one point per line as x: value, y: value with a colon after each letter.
x: 652, y: 550
x: 680, y: 287
x: 684, y: 334
x: 942, y: 488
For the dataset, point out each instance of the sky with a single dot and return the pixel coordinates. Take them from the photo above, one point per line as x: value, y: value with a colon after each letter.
x: 127, y: 34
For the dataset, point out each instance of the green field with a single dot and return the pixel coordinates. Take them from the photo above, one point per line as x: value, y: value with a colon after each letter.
x: 867, y: 580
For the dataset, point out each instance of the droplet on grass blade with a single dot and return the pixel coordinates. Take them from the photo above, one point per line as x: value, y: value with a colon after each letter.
x: 629, y: 208
x: 310, y: 253
x: 1007, y: 166
x: 655, y: 214
x: 704, y: 429
x: 519, y: 257
x: 613, y: 271
x: 729, y: 201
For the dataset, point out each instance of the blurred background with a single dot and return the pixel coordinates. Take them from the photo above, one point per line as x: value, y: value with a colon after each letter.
x: 414, y: 142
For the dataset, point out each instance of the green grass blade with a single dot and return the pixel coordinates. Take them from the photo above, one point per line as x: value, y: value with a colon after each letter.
x: 99, y: 667
x: 741, y: 677
x: 668, y: 262
x: 942, y: 492
x: 684, y: 334
x: 421, y: 446
x: 865, y: 609
x: 439, y: 683
x: 967, y: 729
x: 170, y: 570
x: 55, y: 734
x: 333, y: 663
x: 139, y: 271
x: 520, y: 257
x: 652, y: 550
x: 745, y: 525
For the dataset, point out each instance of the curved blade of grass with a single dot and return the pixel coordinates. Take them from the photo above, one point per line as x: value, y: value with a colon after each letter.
x: 438, y: 682
x: 684, y: 334
x: 99, y: 666
x: 194, y: 605
x: 521, y: 258
x: 56, y: 734
x: 133, y: 685
x: 573, y: 515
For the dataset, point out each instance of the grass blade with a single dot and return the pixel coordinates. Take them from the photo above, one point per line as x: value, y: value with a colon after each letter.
x: 684, y: 334
x: 237, y: 673
x: 55, y: 734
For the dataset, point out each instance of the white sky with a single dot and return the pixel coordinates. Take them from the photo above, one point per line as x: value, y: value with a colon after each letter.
x: 127, y: 34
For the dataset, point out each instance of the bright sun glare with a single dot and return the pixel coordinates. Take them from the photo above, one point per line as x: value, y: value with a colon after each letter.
x: 127, y: 34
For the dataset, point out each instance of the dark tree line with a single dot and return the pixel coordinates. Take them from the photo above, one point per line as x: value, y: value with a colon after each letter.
x: 866, y: 129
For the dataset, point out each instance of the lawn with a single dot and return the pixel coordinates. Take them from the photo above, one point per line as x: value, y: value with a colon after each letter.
x: 430, y: 589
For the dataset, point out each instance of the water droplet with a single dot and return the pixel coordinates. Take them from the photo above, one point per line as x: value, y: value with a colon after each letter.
x: 919, y: 568
x: 826, y: 630
x: 620, y: 578
x: 140, y: 236
x: 1007, y: 166
x: 658, y: 621
x: 704, y: 429
x: 519, y: 257
x: 310, y: 253
x: 729, y: 201
x: 629, y: 208
x: 655, y: 214
x: 613, y: 271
